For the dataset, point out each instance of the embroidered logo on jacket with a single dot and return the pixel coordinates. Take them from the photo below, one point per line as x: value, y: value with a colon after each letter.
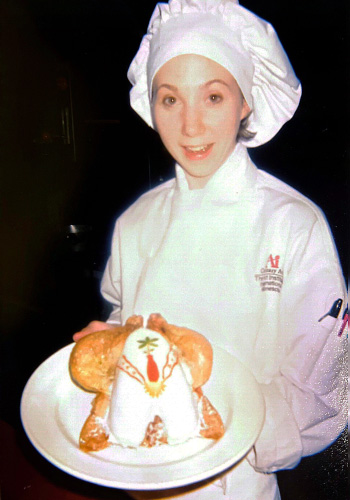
x: 271, y: 276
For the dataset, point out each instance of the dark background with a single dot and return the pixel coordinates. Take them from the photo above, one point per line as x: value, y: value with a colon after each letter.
x: 73, y: 153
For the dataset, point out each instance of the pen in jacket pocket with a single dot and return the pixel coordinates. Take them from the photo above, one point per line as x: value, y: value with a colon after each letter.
x: 345, y: 320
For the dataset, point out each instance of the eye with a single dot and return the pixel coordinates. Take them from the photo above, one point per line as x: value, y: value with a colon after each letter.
x: 169, y: 100
x: 215, y: 98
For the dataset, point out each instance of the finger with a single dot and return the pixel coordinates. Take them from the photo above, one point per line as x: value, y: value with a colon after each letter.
x: 79, y: 335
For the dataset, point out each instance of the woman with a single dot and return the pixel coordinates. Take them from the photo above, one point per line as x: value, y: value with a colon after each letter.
x: 227, y: 249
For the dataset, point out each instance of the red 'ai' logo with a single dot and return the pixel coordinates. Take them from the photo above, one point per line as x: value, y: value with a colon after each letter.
x: 273, y: 261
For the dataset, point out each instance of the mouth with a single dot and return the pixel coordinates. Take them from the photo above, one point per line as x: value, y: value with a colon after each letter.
x: 198, y: 152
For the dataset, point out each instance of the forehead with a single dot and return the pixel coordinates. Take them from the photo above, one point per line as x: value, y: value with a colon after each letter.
x: 191, y: 69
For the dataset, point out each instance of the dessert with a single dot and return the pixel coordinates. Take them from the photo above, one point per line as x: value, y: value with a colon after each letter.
x: 148, y: 384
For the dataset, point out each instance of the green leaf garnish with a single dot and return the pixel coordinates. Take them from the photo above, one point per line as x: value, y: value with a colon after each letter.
x: 147, y: 342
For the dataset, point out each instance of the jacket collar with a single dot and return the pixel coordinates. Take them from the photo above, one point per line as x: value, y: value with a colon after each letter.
x: 236, y: 176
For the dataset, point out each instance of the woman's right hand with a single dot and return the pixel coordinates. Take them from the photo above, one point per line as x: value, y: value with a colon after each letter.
x: 93, y: 326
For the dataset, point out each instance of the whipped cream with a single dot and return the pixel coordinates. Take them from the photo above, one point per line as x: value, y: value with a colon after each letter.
x: 151, y: 381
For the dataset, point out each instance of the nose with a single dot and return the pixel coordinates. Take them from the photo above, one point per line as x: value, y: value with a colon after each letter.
x: 192, y: 121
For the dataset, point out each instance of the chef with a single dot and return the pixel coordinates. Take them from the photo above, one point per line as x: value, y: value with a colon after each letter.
x: 227, y: 249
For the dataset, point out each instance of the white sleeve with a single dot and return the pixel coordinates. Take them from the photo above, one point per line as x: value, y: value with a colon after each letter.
x: 306, y: 403
x: 111, y: 282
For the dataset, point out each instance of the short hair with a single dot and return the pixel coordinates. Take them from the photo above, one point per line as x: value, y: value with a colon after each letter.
x: 243, y: 132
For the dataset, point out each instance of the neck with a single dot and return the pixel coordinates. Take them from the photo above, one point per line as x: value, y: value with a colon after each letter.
x: 199, y: 182
x: 196, y: 182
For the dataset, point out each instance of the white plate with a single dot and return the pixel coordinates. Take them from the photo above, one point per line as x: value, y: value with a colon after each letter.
x: 53, y: 411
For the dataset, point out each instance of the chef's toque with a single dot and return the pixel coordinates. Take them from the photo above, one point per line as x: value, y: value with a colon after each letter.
x: 243, y: 43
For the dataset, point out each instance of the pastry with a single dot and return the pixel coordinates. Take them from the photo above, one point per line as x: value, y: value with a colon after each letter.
x: 148, y: 384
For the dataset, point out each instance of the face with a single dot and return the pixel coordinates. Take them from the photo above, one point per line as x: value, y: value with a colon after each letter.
x: 197, y: 108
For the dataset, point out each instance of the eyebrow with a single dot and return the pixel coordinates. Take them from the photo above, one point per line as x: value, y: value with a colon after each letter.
x: 167, y: 86
x: 217, y: 80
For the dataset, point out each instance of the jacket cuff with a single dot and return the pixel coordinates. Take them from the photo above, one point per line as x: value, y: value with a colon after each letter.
x: 279, y: 444
x: 115, y: 317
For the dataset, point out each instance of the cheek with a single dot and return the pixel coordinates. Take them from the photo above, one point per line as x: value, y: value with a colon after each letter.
x: 167, y: 132
x: 167, y: 128
x: 226, y: 125
x: 163, y: 121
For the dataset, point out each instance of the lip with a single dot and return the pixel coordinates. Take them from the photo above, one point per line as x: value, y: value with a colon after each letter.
x: 199, y: 154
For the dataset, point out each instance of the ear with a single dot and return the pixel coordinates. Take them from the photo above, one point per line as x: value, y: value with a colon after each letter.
x: 245, y: 110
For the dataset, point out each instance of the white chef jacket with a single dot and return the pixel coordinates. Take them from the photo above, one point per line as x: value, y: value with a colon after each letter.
x: 250, y: 263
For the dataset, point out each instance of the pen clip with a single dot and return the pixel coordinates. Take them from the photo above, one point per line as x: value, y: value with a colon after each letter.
x: 334, y: 310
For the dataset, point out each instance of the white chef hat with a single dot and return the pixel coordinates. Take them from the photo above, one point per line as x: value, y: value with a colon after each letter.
x: 244, y: 44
